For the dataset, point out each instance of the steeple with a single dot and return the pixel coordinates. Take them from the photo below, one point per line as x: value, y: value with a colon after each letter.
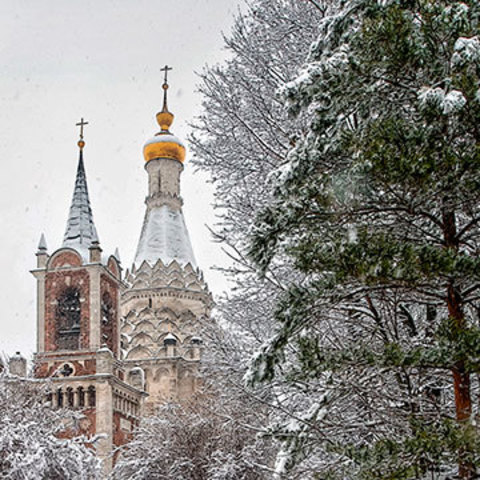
x: 164, y: 233
x: 80, y: 232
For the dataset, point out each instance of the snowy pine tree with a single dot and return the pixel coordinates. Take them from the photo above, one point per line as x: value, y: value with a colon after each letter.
x: 379, y: 208
x: 241, y: 138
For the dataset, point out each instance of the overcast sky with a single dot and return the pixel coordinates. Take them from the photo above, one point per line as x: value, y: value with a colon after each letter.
x: 100, y: 59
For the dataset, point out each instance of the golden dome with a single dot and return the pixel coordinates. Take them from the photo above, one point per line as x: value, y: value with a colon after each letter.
x: 164, y: 144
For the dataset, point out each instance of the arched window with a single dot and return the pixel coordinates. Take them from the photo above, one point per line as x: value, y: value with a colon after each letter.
x: 59, y: 398
x: 108, y: 318
x: 70, y: 397
x: 91, y: 396
x: 81, y: 397
x: 68, y: 316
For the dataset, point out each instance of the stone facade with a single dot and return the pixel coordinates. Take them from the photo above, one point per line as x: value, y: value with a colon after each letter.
x: 164, y: 308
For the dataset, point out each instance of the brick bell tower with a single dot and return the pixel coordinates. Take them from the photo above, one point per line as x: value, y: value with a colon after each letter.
x: 78, y: 339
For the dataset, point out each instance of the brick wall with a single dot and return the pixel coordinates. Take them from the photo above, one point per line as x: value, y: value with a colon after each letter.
x: 85, y: 367
x: 55, y: 284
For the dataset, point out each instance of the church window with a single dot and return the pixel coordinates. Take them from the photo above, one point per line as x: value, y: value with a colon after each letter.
x: 150, y: 303
x: 108, y: 317
x: 91, y: 396
x: 59, y: 398
x: 81, y: 397
x: 67, y: 370
x: 68, y: 315
x: 70, y: 397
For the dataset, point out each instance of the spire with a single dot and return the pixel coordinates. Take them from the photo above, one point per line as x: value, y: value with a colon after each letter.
x: 80, y: 232
x: 42, y: 244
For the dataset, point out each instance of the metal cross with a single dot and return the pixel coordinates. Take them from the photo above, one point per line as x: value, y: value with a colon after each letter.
x: 166, y: 69
x: 81, y: 124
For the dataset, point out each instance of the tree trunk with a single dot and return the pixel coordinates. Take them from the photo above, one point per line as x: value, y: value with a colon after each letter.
x: 461, y: 378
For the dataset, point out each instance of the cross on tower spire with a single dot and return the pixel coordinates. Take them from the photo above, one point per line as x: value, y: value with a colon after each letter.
x: 81, y: 124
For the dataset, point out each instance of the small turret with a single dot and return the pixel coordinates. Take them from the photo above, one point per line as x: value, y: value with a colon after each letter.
x: 95, y: 252
x: 42, y: 255
x: 104, y: 360
x: 137, y: 378
x: 17, y: 365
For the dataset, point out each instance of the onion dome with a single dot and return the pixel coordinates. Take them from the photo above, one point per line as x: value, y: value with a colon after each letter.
x: 164, y: 144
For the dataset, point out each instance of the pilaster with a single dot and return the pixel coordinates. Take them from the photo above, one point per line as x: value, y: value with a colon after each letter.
x: 95, y: 307
x: 104, y: 425
x: 40, y: 276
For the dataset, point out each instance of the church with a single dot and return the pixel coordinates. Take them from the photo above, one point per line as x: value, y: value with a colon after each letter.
x: 113, y: 343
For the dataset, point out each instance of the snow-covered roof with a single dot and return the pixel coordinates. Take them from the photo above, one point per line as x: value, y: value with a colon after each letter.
x: 80, y: 232
x: 42, y: 245
x: 164, y: 137
x: 164, y: 236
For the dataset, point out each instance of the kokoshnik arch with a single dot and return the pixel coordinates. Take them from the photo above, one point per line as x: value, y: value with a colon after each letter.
x: 117, y: 344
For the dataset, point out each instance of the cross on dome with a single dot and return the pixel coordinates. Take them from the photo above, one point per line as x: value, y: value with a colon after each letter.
x: 165, y: 69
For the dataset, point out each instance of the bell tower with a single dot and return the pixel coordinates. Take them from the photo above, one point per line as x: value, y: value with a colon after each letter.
x: 78, y: 338
x: 78, y: 290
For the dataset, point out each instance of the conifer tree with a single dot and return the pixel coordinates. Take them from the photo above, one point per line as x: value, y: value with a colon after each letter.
x: 378, y: 205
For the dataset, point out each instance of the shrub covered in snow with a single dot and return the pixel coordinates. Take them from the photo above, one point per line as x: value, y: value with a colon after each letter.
x: 30, y: 448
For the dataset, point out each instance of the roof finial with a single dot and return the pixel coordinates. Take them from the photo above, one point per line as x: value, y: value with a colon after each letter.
x: 42, y: 245
x: 81, y: 142
x: 164, y: 117
x: 165, y: 69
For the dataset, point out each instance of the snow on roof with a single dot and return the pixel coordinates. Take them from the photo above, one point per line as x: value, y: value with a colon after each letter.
x: 164, y: 137
x: 164, y: 236
x: 42, y: 245
x: 80, y: 231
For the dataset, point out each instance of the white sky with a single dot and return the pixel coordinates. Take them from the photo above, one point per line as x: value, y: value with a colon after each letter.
x: 100, y: 59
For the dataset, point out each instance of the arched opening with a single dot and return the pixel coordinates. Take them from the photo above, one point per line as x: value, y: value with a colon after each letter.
x: 91, y: 396
x: 68, y: 316
x: 70, y: 397
x: 81, y: 397
x: 59, y: 398
x: 108, y: 320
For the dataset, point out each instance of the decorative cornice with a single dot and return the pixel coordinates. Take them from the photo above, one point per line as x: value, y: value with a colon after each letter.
x: 159, y: 199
